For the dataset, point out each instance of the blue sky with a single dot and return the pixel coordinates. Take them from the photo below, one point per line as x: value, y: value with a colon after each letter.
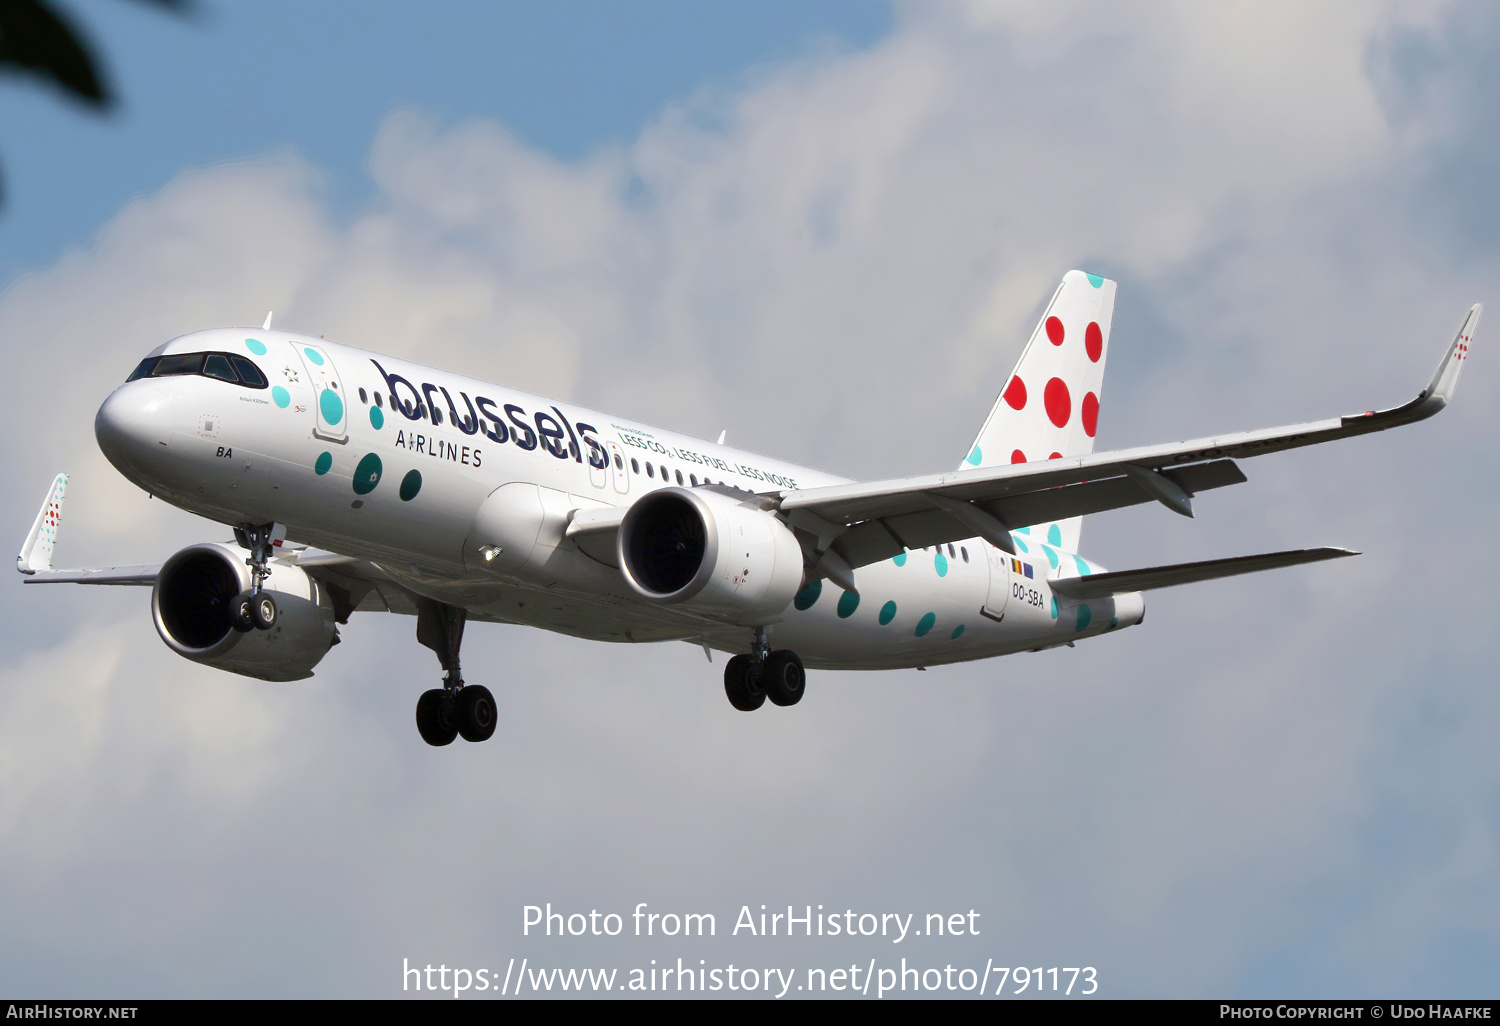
x: 239, y: 79
x: 827, y: 228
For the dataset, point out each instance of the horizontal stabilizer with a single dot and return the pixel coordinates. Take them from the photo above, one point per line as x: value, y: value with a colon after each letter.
x: 1101, y: 585
x: 140, y: 576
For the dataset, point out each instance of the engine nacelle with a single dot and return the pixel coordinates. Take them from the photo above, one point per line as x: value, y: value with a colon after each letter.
x: 190, y: 605
x: 710, y: 554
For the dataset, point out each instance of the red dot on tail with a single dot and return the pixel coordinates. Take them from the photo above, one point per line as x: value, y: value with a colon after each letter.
x: 1055, y: 456
x: 1090, y: 413
x: 1059, y: 403
x: 1093, y: 341
x: 1015, y: 393
x: 1017, y: 456
x: 1055, y: 331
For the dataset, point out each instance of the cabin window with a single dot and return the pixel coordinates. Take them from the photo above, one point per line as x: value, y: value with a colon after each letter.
x: 378, y: 403
x: 363, y: 397
x: 965, y: 553
x: 693, y: 478
x: 635, y: 467
x: 650, y: 472
x: 679, y: 477
x: 619, y: 463
x: 951, y: 553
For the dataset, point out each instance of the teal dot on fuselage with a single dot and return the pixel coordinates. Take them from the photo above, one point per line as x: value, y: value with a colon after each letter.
x: 1054, y: 535
x: 887, y: 613
x: 1051, y: 555
x: 899, y: 559
x: 1021, y: 545
x: 313, y: 355
x: 1094, y: 280
x: 256, y: 346
x: 848, y: 603
x: 1085, y: 614
x: 367, y: 474
x: 411, y: 484
x: 941, y: 563
x: 808, y: 595
x: 377, y: 419
x: 975, y: 456
x: 331, y: 406
x: 1023, y: 530
x: 926, y: 624
x: 323, y: 464
x: 957, y: 633
x: 1054, y: 607
x: 281, y: 397
x: 1083, y: 568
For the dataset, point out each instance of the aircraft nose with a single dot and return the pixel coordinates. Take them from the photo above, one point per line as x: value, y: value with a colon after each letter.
x: 134, y: 424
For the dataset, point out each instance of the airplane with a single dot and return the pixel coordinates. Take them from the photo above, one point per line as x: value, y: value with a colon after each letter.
x: 356, y: 482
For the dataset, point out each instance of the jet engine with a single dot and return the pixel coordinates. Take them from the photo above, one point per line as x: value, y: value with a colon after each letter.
x: 711, y: 555
x: 190, y: 604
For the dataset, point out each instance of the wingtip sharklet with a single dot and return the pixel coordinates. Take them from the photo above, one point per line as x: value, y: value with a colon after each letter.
x: 1445, y: 379
x: 36, y: 552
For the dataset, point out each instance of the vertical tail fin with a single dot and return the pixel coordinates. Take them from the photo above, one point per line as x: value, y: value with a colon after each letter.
x: 1049, y: 407
x: 36, y: 554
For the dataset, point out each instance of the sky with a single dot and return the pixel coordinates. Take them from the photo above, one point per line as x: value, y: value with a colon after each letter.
x: 827, y: 228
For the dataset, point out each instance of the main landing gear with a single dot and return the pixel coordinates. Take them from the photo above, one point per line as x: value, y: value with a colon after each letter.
x: 455, y: 708
x: 750, y: 679
x: 254, y: 609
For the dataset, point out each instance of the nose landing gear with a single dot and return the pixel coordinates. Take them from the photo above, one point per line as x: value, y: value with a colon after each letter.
x: 455, y: 709
x: 752, y: 678
x: 255, y: 609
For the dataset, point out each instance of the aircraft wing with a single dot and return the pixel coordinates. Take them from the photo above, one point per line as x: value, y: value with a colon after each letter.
x: 864, y: 523
x: 139, y: 576
x: 353, y: 585
x: 1102, y: 585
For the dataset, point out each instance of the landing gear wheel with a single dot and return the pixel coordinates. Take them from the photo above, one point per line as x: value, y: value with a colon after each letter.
x: 241, y: 612
x: 744, y: 684
x: 474, y: 712
x: 263, y: 611
x: 435, y: 718
x: 785, y: 679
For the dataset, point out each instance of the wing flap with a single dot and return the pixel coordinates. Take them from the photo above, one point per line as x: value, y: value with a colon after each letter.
x: 1102, y: 585
x: 873, y: 540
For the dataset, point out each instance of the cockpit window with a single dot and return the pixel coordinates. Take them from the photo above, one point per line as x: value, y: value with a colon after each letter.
x: 249, y: 373
x: 217, y: 366
x: 223, y: 366
x: 182, y: 363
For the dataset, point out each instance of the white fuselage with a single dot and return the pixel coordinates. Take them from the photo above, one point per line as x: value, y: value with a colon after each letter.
x: 398, y: 481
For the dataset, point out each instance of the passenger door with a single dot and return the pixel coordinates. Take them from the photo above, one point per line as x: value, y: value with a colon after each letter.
x: 330, y: 405
x: 621, y: 472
